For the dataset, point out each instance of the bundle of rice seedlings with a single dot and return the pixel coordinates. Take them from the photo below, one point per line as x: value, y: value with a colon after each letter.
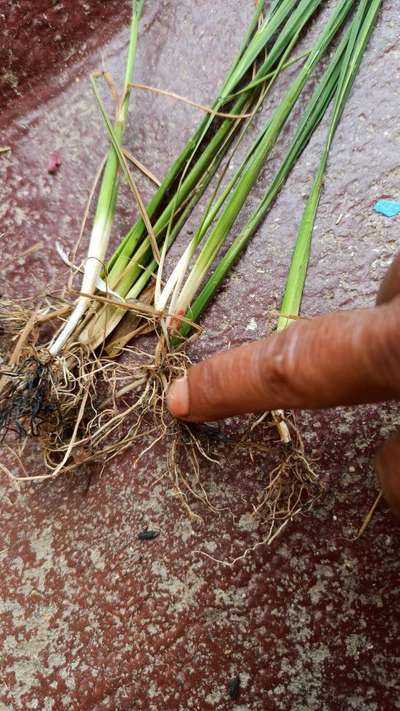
x: 235, y: 196
x: 133, y: 263
x: 125, y: 277
x: 86, y: 406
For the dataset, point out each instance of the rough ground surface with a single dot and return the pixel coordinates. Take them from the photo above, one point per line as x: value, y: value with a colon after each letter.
x: 91, y: 616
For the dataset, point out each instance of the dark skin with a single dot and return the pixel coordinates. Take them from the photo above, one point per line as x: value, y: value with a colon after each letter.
x: 344, y: 358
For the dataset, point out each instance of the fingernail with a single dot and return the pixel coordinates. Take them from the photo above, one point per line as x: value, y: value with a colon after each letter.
x: 178, y: 397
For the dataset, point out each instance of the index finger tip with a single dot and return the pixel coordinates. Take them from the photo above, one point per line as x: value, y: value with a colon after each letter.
x: 178, y: 397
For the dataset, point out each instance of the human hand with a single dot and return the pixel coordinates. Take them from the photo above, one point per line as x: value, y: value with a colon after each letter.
x: 344, y: 358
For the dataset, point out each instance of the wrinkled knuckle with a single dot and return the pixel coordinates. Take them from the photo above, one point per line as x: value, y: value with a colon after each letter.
x: 274, y: 373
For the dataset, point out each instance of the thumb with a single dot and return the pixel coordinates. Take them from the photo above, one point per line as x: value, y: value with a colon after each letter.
x: 339, y: 359
x: 390, y: 286
x: 388, y: 468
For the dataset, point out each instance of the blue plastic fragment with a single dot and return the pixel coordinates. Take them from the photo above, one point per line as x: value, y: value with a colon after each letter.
x: 388, y: 208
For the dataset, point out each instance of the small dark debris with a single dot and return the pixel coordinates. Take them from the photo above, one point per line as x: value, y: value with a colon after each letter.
x: 148, y: 535
x: 210, y: 430
x: 25, y: 402
x: 234, y: 687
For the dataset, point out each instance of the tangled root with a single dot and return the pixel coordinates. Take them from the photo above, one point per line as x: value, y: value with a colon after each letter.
x: 85, y: 408
x: 132, y: 409
x: 40, y: 396
x: 13, y: 317
x: 293, y: 485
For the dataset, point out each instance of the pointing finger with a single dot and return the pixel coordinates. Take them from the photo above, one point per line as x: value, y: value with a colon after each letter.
x: 339, y: 359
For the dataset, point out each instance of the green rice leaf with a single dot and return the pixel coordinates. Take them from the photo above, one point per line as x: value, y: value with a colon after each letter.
x: 362, y: 26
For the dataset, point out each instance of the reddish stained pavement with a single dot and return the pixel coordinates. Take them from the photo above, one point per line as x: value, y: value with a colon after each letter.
x: 91, y: 616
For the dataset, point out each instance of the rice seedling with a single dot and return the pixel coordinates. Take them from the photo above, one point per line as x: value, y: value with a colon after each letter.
x: 106, y: 202
x: 360, y: 31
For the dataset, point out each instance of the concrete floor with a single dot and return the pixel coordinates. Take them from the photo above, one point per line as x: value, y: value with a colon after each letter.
x: 92, y: 617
